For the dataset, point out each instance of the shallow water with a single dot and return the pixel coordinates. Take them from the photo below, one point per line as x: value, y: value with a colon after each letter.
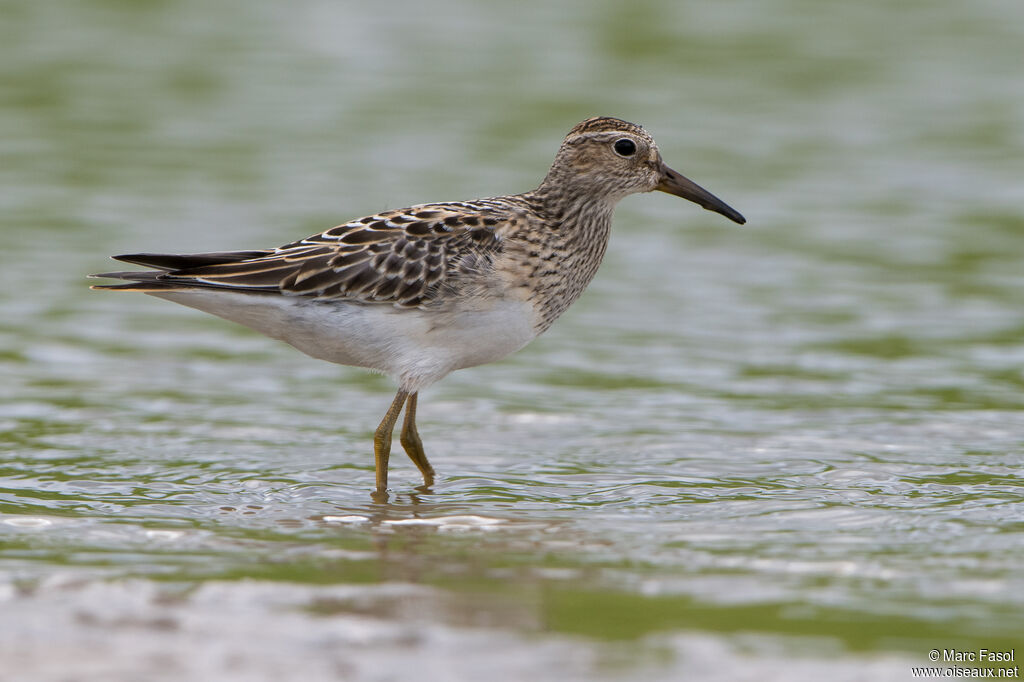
x: 786, y: 451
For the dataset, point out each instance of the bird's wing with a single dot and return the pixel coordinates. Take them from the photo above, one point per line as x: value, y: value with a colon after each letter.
x: 403, y: 256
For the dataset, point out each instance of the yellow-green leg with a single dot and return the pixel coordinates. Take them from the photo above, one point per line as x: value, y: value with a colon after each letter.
x: 410, y: 439
x: 382, y: 441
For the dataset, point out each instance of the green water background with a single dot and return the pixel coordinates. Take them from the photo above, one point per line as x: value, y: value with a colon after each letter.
x: 793, y: 447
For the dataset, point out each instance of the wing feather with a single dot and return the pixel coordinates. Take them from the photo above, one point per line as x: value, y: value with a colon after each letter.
x: 406, y: 257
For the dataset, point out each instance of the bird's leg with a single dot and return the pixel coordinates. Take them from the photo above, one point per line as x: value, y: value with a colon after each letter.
x: 382, y: 441
x: 410, y: 439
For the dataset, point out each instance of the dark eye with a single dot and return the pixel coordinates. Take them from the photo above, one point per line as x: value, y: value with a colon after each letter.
x: 624, y: 147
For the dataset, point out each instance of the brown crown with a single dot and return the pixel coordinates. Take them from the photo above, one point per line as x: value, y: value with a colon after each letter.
x: 598, y: 124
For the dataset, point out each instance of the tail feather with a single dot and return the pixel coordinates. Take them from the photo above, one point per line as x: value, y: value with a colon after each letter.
x: 135, y: 275
x: 184, y: 261
x: 140, y: 286
x: 138, y: 281
x: 172, y: 271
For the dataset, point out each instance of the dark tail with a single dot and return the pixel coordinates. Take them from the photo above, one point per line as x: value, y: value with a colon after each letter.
x: 184, y: 261
x: 165, y: 265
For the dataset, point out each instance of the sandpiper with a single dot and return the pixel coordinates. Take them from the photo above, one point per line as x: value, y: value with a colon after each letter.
x: 422, y: 291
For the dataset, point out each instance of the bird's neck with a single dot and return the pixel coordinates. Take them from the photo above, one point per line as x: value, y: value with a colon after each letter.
x: 572, y: 245
x: 574, y: 207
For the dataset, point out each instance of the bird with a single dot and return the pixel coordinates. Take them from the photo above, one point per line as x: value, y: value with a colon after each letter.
x: 419, y: 292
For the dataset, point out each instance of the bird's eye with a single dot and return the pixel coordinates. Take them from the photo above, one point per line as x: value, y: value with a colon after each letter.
x: 624, y: 147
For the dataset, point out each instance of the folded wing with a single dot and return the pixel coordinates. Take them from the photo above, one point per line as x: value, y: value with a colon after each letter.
x: 405, y: 257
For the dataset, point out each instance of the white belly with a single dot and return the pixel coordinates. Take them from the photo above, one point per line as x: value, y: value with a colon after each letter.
x: 415, y: 347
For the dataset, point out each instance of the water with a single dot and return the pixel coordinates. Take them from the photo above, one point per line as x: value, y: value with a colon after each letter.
x: 790, y: 450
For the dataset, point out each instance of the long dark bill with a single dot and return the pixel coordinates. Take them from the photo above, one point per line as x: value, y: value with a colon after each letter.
x: 674, y: 183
